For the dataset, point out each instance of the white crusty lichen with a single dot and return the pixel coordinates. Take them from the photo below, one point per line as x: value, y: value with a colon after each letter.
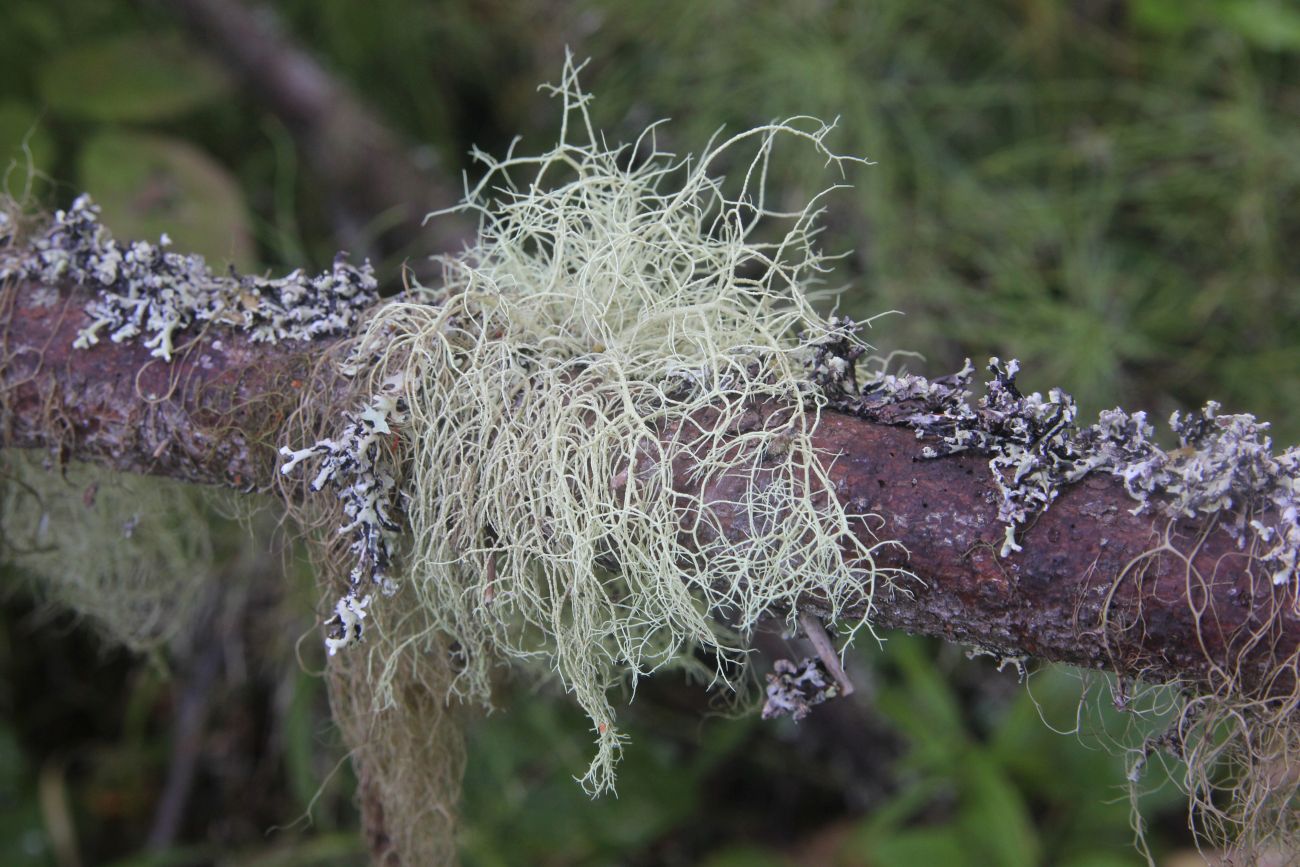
x: 354, y: 465
x: 144, y: 291
x: 1223, y: 463
x: 1028, y: 436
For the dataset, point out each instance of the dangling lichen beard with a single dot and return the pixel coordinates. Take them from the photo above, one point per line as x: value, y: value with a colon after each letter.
x: 1231, y: 741
x: 129, y: 554
x: 615, y: 296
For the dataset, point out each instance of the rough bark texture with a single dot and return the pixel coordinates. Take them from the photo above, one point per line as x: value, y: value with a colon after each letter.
x: 211, y: 416
x: 1085, y: 589
x: 1095, y: 585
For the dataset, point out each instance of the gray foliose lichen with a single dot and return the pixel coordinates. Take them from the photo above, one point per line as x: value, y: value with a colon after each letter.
x: 144, y: 291
x: 355, y: 467
x: 794, y: 689
x: 1223, y: 465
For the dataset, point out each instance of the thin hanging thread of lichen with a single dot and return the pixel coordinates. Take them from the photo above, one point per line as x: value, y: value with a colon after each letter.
x: 613, y: 295
x: 1229, y: 738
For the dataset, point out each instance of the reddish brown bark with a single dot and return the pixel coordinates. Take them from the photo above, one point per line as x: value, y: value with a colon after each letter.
x: 212, y: 415
x: 1080, y: 591
x: 1089, y: 587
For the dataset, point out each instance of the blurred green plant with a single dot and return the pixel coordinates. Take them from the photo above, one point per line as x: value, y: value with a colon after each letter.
x: 992, y: 784
x: 1100, y: 189
x: 1036, y: 786
x: 149, y: 185
x: 23, y: 839
x: 140, y: 76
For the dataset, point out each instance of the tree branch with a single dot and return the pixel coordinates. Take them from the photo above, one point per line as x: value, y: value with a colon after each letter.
x: 209, y: 416
x: 1094, y: 584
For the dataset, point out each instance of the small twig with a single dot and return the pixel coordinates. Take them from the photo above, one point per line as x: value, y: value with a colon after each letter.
x: 362, y: 161
x: 821, y: 642
x: 193, y: 704
x: 56, y: 812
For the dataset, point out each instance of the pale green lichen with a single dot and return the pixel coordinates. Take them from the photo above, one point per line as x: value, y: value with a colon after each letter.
x: 621, y: 311
x: 127, y: 553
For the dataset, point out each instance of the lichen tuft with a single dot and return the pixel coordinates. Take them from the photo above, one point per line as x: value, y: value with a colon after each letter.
x: 623, y: 309
x: 127, y: 553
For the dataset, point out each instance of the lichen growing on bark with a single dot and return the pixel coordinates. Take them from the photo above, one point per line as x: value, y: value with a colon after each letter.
x: 143, y: 291
x: 622, y: 312
x: 1224, y: 464
x: 1227, y: 738
x: 354, y: 466
x: 622, y: 309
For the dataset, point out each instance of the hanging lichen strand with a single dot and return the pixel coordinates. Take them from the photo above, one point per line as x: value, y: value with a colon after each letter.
x: 619, y: 311
x: 130, y: 554
x: 625, y: 321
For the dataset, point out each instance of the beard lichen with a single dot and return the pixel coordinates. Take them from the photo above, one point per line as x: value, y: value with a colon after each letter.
x: 128, y: 554
x: 622, y: 310
x: 509, y: 483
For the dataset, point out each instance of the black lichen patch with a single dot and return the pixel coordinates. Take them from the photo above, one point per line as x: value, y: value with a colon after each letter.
x: 832, y: 363
x: 354, y: 466
x: 144, y: 291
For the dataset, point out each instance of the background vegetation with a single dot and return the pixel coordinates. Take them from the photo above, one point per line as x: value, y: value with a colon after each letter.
x: 1108, y: 190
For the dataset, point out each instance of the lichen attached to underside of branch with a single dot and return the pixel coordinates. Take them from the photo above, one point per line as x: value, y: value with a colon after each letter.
x: 130, y: 554
x: 622, y: 311
x: 356, y: 467
x: 143, y: 291
x: 509, y: 466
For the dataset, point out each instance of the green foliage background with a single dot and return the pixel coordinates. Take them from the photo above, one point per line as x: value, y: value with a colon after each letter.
x: 1107, y: 189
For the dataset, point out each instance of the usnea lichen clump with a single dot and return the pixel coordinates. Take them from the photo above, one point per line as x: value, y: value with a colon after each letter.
x: 144, y: 291
x: 129, y: 554
x: 621, y: 309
